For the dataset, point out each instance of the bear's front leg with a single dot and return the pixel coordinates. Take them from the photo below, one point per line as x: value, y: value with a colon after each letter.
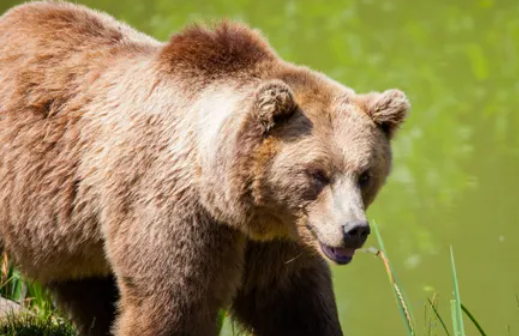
x: 287, y: 291
x: 174, y: 273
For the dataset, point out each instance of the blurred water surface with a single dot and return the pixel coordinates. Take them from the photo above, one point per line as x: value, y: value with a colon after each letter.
x: 455, y: 179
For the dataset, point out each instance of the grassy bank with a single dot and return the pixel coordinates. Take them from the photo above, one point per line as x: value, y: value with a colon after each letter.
x: 36, y: 325
x: 40, y: 316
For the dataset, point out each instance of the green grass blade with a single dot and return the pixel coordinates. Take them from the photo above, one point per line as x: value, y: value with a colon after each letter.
x: 15, y: 290
x: 438, y: 316
x: 401, y: 301
x: 220, y: 320
x: 473, y: 319
x: 459, y: 313
x: 379, y: 237
x: 408, y: 307
x: 454, y: 316
x: 39, y: 297
x: 404, y: 296
x: 4, y: 287
x: 428, y: 320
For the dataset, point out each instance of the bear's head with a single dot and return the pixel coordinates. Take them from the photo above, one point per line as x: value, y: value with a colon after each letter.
x: 325, y: 155
x: 285, y: 152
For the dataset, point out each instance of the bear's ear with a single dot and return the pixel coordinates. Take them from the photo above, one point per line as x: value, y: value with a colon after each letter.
x: 274, y: 103
x: 387, y: 109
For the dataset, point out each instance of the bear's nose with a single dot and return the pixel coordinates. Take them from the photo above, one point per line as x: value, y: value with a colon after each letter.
x: 355, y: 233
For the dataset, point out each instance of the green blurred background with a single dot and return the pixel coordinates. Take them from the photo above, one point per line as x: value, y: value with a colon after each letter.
x: 455, y: 178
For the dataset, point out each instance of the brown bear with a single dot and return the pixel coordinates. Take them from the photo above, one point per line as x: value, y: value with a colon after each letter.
x: 149, y: 185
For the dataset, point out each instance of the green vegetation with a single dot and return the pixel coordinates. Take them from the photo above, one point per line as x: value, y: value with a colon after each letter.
x: 40, y: 317
x: 36, y: 325
x: 456, y: 305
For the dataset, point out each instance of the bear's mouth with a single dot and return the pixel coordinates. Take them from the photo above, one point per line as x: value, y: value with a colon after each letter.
x: 339, y: 255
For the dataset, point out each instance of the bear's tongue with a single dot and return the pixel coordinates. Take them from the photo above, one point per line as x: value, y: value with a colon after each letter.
x: 341, y: 255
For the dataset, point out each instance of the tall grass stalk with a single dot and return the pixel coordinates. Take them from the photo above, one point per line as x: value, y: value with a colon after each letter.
x: 473, y: 320
x: 458, y: 313
x: 399, y: 296
x: 438, y: 316
x: 454, y: 317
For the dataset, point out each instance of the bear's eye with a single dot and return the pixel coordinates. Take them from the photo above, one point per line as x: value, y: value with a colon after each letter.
x: 364, y: 179
x: 319, y: 176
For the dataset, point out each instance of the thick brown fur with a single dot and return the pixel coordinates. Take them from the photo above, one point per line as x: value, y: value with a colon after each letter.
x: 229, y: 48
x: 201, y: 173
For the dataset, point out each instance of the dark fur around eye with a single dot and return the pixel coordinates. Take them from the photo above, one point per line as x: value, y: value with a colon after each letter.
x: 318, y: 181
x: 364, y: 179
x: 319, y: 176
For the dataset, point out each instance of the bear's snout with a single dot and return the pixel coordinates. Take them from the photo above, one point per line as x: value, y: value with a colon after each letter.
x: 355, y: 233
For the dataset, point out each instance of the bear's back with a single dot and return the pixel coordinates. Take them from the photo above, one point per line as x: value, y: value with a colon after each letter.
x: 52, y: 51
x: 57, y: 23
